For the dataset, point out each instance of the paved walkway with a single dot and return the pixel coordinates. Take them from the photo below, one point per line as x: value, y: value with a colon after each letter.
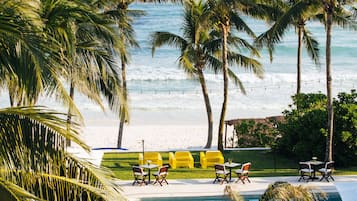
x: 346, y: 185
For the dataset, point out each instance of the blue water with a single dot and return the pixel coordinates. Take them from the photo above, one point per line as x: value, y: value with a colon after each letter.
x: 158, y: 84
x: 330, y: 197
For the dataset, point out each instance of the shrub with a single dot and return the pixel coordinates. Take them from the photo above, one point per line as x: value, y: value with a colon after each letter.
x: 304, y: 129
x: 251, y: 133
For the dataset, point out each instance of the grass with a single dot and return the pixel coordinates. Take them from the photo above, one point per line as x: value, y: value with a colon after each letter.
x: 262, y: 165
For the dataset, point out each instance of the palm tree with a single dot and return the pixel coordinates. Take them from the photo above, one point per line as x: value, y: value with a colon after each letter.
x: 328, y: 12
x: 195, y: 47
x: 33, y: 159
x: 200, y: 47
x: 35, y: 165
x: 88, y: 46
x: 24, y: 52
x: 225, y: 15
x: 124, y: 19
x: 294, y: 13
x: 331, y: 8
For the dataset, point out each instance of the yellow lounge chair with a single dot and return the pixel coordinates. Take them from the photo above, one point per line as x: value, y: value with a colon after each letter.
x: 154, y: 157
x: 211, y: 158
x: 181, y: 159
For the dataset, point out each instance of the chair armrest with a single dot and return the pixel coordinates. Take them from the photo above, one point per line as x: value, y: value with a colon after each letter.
x: 221, y: 159
x: 203, y: 160
x: 141, y: 159
x: 159, y: 157
x: 172, y: 160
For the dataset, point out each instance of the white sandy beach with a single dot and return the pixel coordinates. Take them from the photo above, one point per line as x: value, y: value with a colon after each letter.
x: 160, y: 130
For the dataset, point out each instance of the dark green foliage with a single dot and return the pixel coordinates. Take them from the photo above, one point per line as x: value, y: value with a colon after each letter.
x: 251, y: 133
x: 304, y: 130
x: 345, y: 142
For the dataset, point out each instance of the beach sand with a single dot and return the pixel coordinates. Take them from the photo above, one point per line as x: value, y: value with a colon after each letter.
x: 161, y: 130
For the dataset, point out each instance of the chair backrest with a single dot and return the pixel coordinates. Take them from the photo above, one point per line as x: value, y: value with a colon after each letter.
x: 246, y: 166
x: 163, y: 170
x: 151, y: 155
x: 219, y: 167
x: 304, y: 165
x: 329, y: 165
x: 137, y: 170
x: 182, y: 154
x: 212, y: 154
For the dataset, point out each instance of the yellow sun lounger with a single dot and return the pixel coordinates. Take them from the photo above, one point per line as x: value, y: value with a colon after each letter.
x: 153, y: 157
x: 210, y: 158
x: 181, y: 159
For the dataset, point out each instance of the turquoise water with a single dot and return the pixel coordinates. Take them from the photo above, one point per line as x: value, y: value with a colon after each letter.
x: 331, y: 197
x: 158, y: 84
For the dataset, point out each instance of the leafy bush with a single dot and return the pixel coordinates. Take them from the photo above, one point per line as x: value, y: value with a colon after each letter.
x: 251, y: 133
x: 304, y: 129
x: 345, y: 127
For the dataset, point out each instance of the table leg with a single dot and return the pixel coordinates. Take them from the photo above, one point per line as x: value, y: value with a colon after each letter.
x: 230, y: 174
x: 149, y: 175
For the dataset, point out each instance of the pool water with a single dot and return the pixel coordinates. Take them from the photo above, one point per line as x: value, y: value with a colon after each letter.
x: 330, y: 197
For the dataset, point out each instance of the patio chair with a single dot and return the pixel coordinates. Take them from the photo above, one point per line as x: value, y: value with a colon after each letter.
x: 221, y: 173
x: 154, y: 157
x: 181, y: 159
x: 139, y: 175
x: 305, y: 170
x: 161, y: 175
x: 210, y: 158
x: 243, y: 173
x: 326, y: 172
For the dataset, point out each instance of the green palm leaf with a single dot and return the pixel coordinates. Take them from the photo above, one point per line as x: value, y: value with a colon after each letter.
x: 33, y: 157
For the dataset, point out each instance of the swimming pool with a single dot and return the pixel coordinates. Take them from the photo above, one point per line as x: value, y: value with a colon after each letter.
x: 333, y: 196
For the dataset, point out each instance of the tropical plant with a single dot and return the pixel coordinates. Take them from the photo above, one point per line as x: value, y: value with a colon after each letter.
x: 200, y: 46
x: 124, y: 19
x: 281, y: 190
x: 196, y: 51
x: 25, y: 51
x: 34, y: 163
x: 331, y: 8
x: 224, y: 15
x: 88, y: 46
x: 286, y: 191
x: 252, y: 133
x: 345, y: 128
x: 294, y: 13
x: 303, y: 132
x: 329, y: 12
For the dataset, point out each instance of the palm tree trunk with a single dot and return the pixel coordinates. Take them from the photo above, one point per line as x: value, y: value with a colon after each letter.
x: 11, y: 99
x: 208, y: 108
x: 69, y: 114
x: 225, y: 28
x: 298, y: 81
x: 122, y: 112
x: 329, y: 140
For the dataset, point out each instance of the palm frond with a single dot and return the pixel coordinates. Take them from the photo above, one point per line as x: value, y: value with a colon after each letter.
x: 247, y: 63
x: 159, y: 39
x: 12, y: 192
x: 344, y: 19
x: 33, y: 157
x: 312, y: 46
x: 277, y: 31
x: 236, y: 81
x: 241, y: 25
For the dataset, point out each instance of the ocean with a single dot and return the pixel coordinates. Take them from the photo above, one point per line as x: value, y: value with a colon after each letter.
x: 158, y: 86
x: 157, y: 83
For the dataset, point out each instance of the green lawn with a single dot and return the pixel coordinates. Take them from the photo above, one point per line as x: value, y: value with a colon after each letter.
x: 262, y: 165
